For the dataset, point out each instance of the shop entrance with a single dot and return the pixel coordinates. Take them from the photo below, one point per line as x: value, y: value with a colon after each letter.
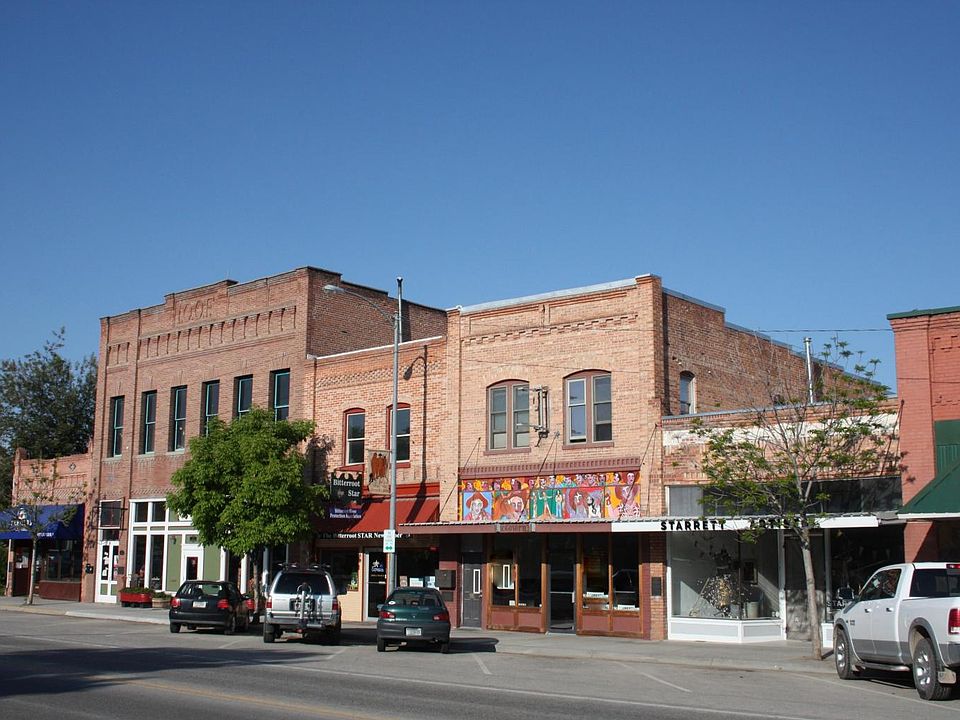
x: 109, y: 571
x: 472, y: 589
x: 562, y: 557
x: 376, y: 584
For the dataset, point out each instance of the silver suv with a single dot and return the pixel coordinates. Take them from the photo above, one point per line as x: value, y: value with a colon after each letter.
x: 302, y: 599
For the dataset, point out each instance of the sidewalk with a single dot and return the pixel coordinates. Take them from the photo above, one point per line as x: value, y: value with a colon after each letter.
x: 785, y: 655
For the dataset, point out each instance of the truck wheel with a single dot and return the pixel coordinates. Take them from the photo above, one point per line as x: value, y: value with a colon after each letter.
x: 925, y: 668
x: 269, y: 633
x: 842, y: 656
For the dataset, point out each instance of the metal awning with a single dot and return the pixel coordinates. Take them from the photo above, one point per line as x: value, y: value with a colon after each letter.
x: 49, y: 517
x: 940, y: 499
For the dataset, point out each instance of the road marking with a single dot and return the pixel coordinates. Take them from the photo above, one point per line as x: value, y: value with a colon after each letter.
x: 482, y: 666
x: 651, y: 677
x: 314, y: 709
x: 859, y: 687
x: 500, y: 691
x: 229, y: 644
x: 41, y: 638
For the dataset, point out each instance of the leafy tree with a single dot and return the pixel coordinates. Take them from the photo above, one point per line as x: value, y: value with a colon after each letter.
x: 46, y: 406
x: 36, y: 494
x: 780, y: 464
x: 244, y: 485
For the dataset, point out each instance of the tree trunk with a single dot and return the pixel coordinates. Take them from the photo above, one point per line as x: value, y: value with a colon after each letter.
x: 33, y: 571
x: 256, y: 582
x: 813, y: 605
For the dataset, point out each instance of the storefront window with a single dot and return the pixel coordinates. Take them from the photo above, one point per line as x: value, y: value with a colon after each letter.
x: 345, y: 568
x: 139, y: 559
x: 64, y: 561
x: 596, y: 572
x: 528, y: 570
x: 625, y: 561
x: 516, y: 571
x: 718, y: 575
x: 417, y: 567
x: 156, y: 561
x: 501, y: 572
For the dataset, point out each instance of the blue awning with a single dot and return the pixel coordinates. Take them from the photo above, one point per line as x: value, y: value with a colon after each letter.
x: 50, y: 518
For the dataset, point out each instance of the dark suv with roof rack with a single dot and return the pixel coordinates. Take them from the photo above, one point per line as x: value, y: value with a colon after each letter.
x: 302, y: 599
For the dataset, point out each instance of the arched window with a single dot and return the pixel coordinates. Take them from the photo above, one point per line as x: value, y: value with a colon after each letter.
x: 508, y: 415
x: 588, y: 401
x: 688, y: 393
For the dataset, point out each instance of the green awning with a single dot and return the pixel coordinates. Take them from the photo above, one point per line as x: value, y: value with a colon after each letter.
x: 939, y: 499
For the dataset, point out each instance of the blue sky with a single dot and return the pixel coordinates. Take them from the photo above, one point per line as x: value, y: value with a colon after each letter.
x: 795, y: 163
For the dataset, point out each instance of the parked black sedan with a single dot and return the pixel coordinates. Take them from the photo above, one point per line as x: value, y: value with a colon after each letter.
x: 414, y: 616
x: 208, y: 603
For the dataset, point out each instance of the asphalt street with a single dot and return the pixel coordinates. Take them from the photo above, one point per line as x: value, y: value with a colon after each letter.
x: 63, y: 667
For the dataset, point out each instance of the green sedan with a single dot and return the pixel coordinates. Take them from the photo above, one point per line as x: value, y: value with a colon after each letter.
x: 414, y: 616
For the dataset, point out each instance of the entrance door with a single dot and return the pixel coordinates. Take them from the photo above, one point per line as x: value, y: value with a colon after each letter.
x: 107, y: 580
x: 192, y: 568
x: 472, y: 589
x: 562, y: 555
x: 376, y: 582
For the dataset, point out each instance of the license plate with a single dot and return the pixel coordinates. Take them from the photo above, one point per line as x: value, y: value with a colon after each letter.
x: 413, y: 632
x: 199, y: 603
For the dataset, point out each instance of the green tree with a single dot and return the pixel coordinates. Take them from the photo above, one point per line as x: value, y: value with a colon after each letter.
x: 46, y: 406
x: 42, y: 503
x: 782, y: 461
x: 244, y: 485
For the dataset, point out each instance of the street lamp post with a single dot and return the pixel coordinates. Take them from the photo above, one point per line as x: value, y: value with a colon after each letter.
x: 396, y: 320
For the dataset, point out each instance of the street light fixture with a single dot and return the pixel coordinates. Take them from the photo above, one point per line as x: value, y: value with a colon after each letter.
x: 395, y: 320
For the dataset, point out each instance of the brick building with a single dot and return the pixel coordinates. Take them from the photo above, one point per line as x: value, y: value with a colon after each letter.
x: 928, y: 380
x: 546, y: 476
x: 554, y: 447
x: 213, y: 351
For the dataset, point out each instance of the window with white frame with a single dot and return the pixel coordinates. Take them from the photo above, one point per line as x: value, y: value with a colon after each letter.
x: 178, y: 418
x: 688, y: 401
x: 589, y: 408
x: 243, y: 392
x: 356, y: 437
x: 211, y: 403
x: 115, y: 440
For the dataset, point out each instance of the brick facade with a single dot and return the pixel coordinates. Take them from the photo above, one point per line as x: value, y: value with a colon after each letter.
x: 927, y: 344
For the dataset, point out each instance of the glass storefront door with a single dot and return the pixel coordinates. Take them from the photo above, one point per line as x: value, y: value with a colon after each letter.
x: 562, y: 555
x: 376, y: 584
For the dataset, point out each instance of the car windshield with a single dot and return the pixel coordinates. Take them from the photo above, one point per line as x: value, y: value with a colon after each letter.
x: 197, y: 590
x: 289, y: 583
x: 425, y: 598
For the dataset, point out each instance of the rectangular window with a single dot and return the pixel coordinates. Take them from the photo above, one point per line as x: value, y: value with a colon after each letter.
x: 576, y: 411
x: 243, y: 391
x: 403, y: 434
x: 521, y: 415
x: 140, y: 510
x: 498, y: 418
x: 149, y: 422
x: 280, y: 394
x: 602, y: 409
x: 115, y: 440
x: 596, y: 572
x: 178, y: 418
x: 356, y: 436
x: 508, y: 416
x: 211, y: 403
x: 159, y: 509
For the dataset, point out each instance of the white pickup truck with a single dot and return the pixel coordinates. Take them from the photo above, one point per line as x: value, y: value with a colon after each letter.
x: 906, y: 617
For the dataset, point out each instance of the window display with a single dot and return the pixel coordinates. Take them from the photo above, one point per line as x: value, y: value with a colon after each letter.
x: 719, y: 575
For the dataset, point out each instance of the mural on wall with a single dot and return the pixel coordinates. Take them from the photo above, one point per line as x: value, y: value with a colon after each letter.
x: 585, y: 496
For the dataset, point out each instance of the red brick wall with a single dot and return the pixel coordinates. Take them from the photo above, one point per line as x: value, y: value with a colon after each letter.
x: 928, y: 383
x: 364, y: 379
